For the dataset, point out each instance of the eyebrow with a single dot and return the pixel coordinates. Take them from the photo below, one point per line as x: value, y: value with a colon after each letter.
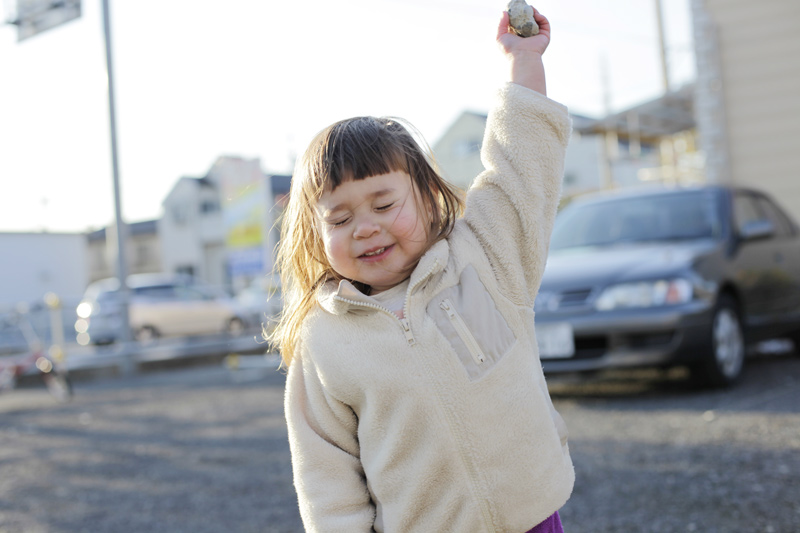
x: 372, y: 196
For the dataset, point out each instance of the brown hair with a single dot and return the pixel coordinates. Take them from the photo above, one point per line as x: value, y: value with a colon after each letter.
x: 352, y: 149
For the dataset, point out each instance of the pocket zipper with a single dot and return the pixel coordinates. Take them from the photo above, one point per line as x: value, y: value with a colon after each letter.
x: 463, y: 331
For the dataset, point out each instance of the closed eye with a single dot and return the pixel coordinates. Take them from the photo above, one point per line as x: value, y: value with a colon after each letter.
x: 384, y: 207
x: 339, y: 222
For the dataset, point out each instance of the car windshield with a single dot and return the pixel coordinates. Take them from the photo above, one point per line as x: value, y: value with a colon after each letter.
x: 636, y: 219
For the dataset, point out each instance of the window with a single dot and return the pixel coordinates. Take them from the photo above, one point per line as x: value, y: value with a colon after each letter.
x: 745, y: 210
x: 156, y: 292
x: 190, y: 293
x: 783, y: 227
x: 185, y: 269
x: 141, y: 255
x: 209, y: 206
x: 665, y: 217
x: 179, y: 215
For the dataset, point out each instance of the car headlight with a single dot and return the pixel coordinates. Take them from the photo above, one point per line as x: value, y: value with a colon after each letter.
x: 645, y: 294
x: 84, y: 310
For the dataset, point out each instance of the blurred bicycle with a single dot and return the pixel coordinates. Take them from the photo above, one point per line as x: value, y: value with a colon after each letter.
x: 49, y: 365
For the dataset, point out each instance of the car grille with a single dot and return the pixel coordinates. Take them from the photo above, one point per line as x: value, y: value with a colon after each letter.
x: 574, y: 298
x: 563, y: 301
x: 594, y: 346
x: 590, y: 347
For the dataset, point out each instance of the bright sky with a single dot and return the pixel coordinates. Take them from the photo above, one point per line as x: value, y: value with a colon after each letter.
x: 197, y: 79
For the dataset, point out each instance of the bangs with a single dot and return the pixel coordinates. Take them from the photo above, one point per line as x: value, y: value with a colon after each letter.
x: 360, y: 148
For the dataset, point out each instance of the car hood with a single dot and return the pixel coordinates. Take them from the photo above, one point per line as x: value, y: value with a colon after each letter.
x: 604, y: 265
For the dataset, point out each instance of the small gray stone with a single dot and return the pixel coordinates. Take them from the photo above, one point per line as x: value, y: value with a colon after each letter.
x: 520, y: 18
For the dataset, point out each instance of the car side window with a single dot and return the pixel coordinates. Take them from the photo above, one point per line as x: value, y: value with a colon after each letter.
x: 783, y: 228
x: 156, y: 292
x: 191, y: 293
x: 745, y: 210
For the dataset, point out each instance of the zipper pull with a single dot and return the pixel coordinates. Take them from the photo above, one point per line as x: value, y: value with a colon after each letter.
x: 447, y: 309
x: 407, y: 332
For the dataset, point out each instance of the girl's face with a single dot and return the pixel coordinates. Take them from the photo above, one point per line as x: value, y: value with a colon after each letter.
x: 373, y: 229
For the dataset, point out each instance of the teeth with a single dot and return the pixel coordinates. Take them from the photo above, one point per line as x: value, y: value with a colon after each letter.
x: 376, y: 252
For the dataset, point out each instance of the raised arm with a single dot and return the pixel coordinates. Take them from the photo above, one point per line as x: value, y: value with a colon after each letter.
x: 512, y: 205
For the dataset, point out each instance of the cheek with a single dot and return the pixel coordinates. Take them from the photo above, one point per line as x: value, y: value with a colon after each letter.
x: 331, y: 243
x: 408, y: 224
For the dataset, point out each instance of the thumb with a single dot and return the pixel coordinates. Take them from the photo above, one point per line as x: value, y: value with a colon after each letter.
x: 502, y: 27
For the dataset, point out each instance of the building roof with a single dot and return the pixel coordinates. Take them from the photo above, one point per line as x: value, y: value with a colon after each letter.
x: 144, y: 227
x: 666, y: 115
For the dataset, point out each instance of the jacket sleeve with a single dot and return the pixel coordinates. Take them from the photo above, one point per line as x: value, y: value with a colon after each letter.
x: 330, y: 482
x: 512, y: 204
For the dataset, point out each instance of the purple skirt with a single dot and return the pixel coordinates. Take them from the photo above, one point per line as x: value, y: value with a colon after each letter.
x: 551, y: 525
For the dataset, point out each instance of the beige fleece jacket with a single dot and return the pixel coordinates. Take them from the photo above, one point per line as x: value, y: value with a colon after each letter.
x: 442, y: 421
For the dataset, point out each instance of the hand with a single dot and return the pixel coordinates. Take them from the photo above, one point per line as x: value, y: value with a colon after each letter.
x: 512, y: 43
x: 525, y: 53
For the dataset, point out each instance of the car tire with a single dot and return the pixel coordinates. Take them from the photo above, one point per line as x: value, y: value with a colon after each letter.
x: 796, y: 342
x: 146, y: 334
x: 235, y: 326
x: 724, y: 365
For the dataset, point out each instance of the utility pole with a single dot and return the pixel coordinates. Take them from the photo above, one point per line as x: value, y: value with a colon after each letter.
x: 34, y: 17
x: 119, y: 224
x: 669, y: 170
x: 662, y: 46
x: 610, y: 137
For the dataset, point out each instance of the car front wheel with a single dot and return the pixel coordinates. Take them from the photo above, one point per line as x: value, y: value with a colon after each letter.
x: 146, y: 334
x: 723, y: 367
x: 235, y: 327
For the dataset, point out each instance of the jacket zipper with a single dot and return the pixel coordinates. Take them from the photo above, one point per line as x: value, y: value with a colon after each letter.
x: 403, y: 322
x: 463, y: 331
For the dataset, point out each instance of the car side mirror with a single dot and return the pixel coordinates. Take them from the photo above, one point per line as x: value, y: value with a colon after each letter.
x: 757, y: 229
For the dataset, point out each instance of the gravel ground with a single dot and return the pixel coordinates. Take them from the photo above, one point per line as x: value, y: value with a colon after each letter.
x: 202, y: 450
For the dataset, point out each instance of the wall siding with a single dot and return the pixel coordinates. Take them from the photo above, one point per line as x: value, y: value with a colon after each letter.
x: 760, y: 63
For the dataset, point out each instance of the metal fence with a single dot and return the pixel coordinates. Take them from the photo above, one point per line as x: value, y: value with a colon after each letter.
x: 50, y: 322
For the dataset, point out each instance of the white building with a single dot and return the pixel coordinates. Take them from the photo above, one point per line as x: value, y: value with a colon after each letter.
x: 457, y: 153
x: 221, y: 227
x: 191, y: 230
x: 35, y: 264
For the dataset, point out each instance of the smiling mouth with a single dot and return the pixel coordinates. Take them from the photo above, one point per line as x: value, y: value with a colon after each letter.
x: 373, y: 253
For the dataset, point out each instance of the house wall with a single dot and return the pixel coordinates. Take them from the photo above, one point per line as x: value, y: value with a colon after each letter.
x: 458, y: 150
x: 142, y: 253
x: 37, y: 263
x: 190, y: 224
x: 582, y: 170
x: 458, y: 154
x: 759, y: 69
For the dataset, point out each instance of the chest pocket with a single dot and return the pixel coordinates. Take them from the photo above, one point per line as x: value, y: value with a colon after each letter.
x: 468, y: 317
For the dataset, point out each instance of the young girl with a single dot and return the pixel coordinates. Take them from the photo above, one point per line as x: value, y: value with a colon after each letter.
x: 415, y: 398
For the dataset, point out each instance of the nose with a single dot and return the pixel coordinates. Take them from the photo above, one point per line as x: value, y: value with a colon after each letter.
x: 365, y: 228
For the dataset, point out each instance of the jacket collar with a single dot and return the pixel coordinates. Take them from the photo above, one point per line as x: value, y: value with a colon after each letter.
x: 343, y: 297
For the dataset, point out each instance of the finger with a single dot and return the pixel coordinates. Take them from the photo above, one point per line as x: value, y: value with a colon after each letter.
x: 502, y: 28
x: 540, y: 19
